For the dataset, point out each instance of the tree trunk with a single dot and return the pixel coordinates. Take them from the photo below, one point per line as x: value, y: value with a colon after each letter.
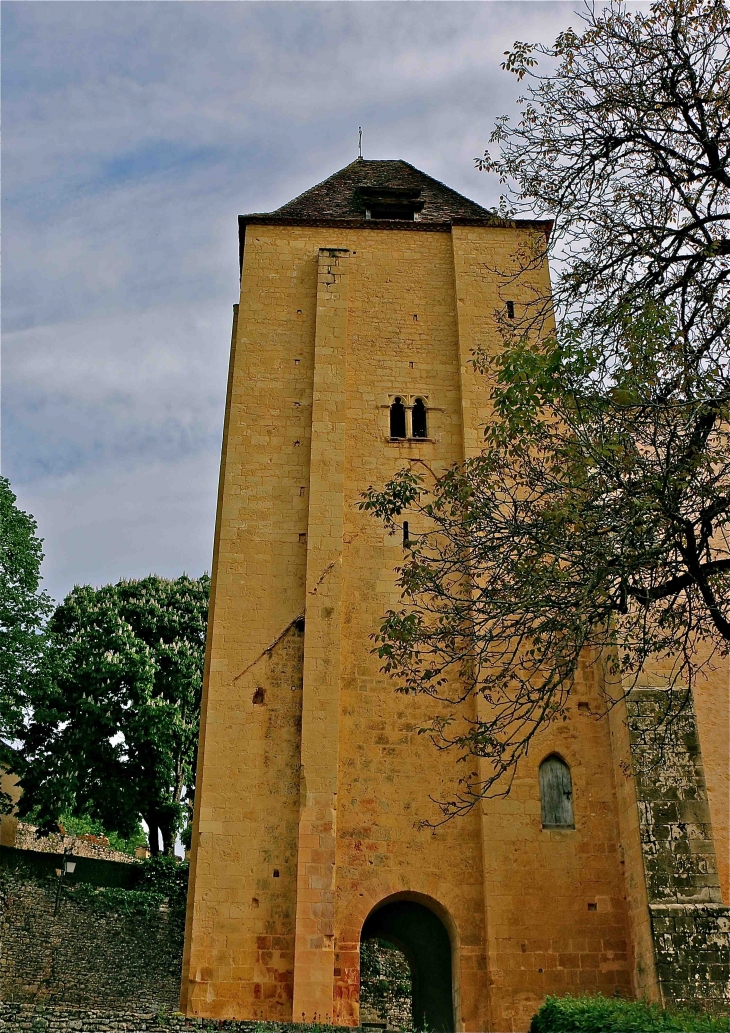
x: 168, y: 830
x: 153, y: 835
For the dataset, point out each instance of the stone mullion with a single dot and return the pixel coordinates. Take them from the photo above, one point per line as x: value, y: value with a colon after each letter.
x: 409, y: 421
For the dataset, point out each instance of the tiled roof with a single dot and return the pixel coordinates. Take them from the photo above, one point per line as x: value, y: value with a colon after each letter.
x: 340, y: 196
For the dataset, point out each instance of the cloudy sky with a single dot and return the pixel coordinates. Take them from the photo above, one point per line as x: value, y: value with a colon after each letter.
x: 134, y: 133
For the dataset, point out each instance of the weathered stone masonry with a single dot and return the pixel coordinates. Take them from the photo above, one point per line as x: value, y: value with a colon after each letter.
x: 83, y: 955
x: 34, y: 1018
x: 690, y: 923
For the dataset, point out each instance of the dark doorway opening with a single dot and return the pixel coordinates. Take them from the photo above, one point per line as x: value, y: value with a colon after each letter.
x: 421, y: 936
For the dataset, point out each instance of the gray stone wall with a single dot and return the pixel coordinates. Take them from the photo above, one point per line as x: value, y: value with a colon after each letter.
x: 123, y: 957
x: 34, y: 1018
x: 692, y: 949
x: 690, y: 924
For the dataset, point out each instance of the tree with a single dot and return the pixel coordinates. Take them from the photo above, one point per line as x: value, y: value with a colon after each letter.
x: 23, y: 610
x: 115, y: 707
x: 596, y: 524
x: 624, y: 145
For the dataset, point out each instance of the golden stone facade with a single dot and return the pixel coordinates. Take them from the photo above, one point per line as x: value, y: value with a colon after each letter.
x: 312, y: 774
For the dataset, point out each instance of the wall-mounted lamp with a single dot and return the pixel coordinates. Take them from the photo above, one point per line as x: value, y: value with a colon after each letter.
x: 69, y: 867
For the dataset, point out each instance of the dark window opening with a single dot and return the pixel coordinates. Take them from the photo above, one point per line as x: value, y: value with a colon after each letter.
x: 556, y: 794
x: 398, y: 419
x: 276, y: 873
x: 419, y: 419
x: 406, y: 539
x: 510, y: 310
x: 259, y: 696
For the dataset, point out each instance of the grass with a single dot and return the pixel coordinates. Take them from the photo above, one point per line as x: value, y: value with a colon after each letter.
x: 598, y: 1014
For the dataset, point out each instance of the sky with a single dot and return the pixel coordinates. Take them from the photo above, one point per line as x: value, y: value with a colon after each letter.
x: 134, y: 134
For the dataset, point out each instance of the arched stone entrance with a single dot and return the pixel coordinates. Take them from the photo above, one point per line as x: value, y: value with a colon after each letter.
x: 421, y: 935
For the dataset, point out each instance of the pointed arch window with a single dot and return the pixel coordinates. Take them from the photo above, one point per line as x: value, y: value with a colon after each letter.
x: 397, y: 419
x: 556, y: 794
x: 420, y: 429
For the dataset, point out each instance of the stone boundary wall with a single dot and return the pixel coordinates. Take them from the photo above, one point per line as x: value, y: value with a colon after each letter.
x: 30, y: 1018
x: 80, y: 846
x: 125, y: 956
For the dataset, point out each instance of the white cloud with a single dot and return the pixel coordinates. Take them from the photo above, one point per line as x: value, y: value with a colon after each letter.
x: 133, y: 136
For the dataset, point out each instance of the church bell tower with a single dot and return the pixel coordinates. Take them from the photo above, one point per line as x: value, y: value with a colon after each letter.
x: 361, y: 304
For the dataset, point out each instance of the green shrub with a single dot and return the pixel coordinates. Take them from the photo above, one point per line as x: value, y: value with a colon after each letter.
x: 598, y: 1014
x: 160, y: 880
x: 165, y: 875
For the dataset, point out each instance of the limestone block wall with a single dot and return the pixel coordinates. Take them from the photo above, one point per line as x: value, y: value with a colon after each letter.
x: 556, y: 900
x: 241, y: 913
x: 313, y: 775
x: 642, y: 963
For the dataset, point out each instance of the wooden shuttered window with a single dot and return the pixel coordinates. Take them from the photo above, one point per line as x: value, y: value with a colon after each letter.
x: 556, y: 794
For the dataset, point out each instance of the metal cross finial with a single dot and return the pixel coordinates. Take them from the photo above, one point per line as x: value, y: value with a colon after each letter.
x: 359, y: 142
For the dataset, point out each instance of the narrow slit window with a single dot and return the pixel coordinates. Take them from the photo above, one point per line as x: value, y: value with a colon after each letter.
x: 398, y: 419
x: 406, y: 539
x: 556, y: 794
x: 420, y: 429
x: 510, y: 310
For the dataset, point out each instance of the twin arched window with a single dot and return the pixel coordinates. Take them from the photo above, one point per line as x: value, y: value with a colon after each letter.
x: 556, y: 794
x: 408, y: 421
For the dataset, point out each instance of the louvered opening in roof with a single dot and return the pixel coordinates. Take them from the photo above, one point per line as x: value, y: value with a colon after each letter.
x: 385, y: 186
x: 382, y: 202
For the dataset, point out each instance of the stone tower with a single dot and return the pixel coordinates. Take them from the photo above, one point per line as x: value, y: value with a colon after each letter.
x: 361, y: 303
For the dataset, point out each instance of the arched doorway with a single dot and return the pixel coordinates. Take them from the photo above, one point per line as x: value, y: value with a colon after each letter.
x: 417, y: 932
